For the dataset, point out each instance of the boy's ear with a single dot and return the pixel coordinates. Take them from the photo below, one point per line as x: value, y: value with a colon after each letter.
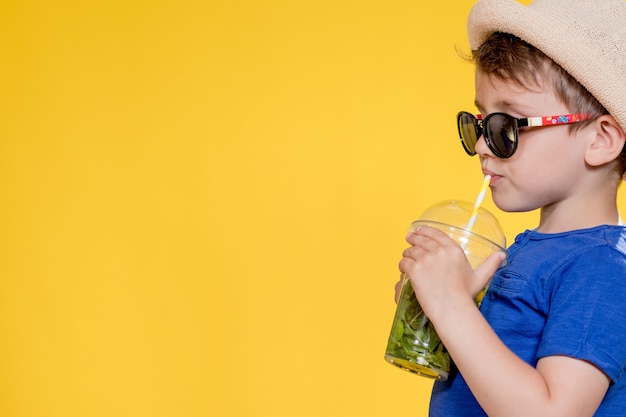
x: 607, y: 142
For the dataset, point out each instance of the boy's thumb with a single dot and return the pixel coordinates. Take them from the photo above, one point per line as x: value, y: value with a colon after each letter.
x: 485, y: 271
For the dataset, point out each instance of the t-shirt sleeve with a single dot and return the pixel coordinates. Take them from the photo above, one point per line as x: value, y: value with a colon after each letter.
x: 587, y: 314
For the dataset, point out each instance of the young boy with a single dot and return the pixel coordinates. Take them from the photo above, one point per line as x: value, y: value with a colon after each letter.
x: 550, y: 336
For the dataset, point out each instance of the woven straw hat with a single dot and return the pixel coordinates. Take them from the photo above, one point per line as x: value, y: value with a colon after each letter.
x: 587, y: 38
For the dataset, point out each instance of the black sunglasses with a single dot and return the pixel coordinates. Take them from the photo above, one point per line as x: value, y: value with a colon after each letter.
x: 501, y: 130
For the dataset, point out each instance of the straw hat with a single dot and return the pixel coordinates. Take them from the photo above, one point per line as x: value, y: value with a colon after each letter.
x: 587, y: 38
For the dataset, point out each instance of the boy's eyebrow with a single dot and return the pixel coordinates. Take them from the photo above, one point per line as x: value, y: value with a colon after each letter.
x: 502, y: 104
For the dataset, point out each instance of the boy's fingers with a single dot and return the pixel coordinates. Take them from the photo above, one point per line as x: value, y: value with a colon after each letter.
x: 398, y: 288
x: 430, y: 233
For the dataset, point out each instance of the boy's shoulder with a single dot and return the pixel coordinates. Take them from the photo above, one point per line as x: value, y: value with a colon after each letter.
x: 583, y: 239
x: 539, y: 254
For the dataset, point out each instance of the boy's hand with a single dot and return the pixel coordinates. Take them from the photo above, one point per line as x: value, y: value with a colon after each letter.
x: 440, y: 272
x: 398, y: 288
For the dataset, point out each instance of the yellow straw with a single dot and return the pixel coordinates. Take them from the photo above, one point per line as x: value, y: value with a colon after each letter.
x: 478, y: 202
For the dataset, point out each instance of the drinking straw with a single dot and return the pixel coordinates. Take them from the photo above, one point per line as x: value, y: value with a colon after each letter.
x: 478, y: 202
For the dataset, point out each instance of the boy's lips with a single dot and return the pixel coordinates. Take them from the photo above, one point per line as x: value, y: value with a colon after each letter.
x: 493, y: 175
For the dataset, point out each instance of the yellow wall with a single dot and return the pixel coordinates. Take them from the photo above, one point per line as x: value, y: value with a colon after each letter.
x: 203, y: 203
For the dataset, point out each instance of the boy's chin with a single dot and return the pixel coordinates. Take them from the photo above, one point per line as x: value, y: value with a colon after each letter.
x: 512, y: 206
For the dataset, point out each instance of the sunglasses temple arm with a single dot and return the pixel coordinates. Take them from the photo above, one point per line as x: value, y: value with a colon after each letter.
x: 554, y: 120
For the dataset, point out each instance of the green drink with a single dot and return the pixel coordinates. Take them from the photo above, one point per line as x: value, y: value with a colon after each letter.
x: 413, y: 343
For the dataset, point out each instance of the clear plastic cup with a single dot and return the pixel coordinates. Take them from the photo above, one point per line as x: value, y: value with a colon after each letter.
x: 413, y: 342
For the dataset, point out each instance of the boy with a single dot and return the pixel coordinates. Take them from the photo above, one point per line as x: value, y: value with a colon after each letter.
x: 550, y: 336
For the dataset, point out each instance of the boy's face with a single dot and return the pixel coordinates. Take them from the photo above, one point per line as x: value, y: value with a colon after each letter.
x: 549, y: 163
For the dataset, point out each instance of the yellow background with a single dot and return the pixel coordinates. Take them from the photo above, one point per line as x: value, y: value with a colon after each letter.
x: 203, y: 203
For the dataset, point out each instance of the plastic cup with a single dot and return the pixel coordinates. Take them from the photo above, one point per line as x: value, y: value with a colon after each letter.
x: 413, y: 342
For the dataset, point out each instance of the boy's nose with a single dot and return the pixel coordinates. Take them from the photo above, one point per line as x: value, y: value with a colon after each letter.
x: 481, y: 147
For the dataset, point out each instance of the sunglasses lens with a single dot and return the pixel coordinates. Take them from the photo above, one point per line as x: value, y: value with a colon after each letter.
x: 468, y: 132
x: 501, y: 134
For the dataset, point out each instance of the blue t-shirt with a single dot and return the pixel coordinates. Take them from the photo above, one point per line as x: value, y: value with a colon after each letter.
x: 558, y: 294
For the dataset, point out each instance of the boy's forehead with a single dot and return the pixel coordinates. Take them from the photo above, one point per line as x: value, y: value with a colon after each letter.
x: 496, y: 94
x: 536, y: 84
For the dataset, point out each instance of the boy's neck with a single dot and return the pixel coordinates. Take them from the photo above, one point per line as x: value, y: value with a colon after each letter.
x: 576, y: 216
